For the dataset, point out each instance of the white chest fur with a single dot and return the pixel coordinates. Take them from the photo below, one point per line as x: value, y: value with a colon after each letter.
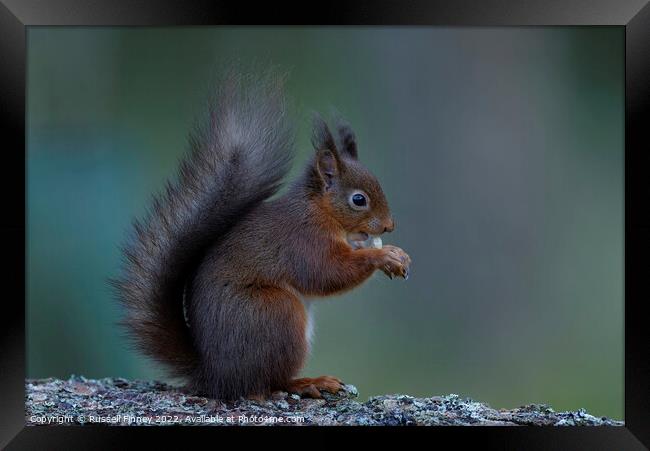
x: 309, y: 330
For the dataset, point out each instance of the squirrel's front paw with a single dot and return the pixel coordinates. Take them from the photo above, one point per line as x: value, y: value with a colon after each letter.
x: 395, y: 262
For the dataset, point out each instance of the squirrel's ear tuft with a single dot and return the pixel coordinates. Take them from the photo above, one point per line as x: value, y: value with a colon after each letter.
x: 348, y: 141
x: 322, y: 137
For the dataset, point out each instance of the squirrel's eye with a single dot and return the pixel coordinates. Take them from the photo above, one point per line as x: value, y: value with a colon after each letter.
x: 358, y: 201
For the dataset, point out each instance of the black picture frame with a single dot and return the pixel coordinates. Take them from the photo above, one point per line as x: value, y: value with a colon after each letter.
x: 633, y: 15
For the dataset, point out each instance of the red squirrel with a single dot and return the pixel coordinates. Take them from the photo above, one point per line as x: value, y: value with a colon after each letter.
x: 217, y: 275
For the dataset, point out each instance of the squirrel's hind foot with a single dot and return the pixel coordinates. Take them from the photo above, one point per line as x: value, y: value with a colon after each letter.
x: 311, y: 387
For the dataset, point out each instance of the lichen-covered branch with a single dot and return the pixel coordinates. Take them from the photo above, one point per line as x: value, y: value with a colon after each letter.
x: 116, y: 401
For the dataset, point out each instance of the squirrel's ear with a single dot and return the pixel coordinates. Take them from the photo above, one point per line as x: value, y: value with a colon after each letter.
x: 327, y: 167
x: 348, y: 141
x: 327, y: 161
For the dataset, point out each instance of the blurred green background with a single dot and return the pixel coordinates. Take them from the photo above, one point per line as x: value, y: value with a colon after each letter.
x: 500, y: 150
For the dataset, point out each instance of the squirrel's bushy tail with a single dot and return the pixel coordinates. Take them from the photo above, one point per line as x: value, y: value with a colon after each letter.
x: 237, y: 159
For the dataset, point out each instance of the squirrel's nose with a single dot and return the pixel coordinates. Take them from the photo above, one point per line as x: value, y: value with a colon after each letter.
x: 390, y: 226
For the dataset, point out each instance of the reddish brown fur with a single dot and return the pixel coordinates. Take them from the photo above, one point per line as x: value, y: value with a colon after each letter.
x: 285, y: 249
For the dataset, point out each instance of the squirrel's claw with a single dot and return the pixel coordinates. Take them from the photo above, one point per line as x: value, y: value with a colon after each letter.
x: 396, y: 263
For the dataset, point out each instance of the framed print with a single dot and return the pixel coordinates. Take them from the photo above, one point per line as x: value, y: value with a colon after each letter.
x: 344, y: 219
